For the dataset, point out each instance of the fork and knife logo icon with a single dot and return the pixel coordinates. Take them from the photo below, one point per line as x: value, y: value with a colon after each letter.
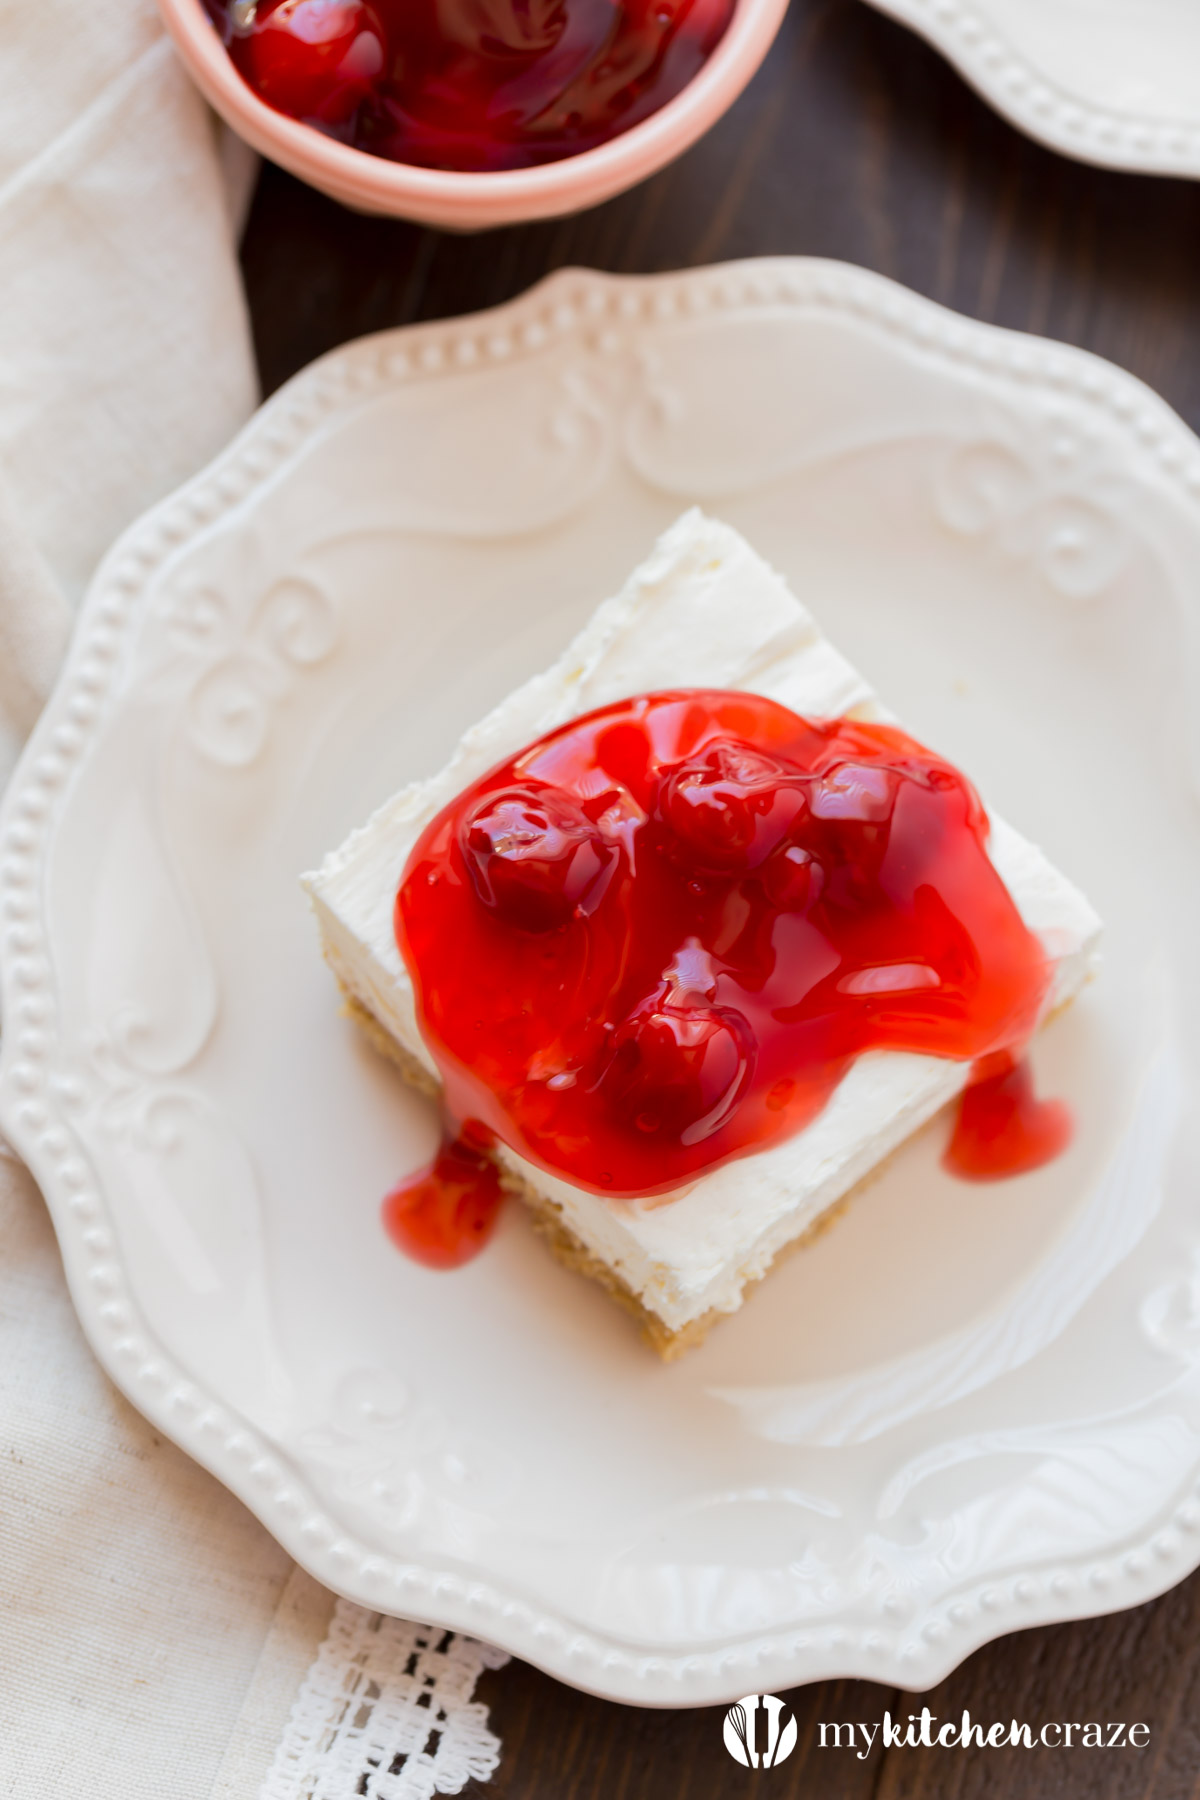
x: 760, y: 1731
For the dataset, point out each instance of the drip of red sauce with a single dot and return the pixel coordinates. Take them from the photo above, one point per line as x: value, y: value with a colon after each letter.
x: 1002, y: 1128
x: 470, y: 84
x: 444, y: 1214
x: 657, y: 938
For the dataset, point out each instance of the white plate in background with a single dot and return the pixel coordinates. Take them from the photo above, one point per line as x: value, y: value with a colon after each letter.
x: 965, y: 1409
x: 1115, y: 82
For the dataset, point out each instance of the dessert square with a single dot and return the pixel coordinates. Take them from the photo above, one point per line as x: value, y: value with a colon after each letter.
x: 703, y: 612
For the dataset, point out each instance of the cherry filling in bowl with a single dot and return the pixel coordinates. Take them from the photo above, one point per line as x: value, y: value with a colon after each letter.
x: 470, y: 84
x: 657, y: 938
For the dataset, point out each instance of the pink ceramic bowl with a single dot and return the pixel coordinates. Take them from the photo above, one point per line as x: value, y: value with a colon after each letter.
x: 472, y: 202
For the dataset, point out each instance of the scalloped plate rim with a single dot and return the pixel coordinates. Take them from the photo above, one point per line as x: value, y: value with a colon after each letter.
x: 1102, y: 137
x: 175, y: 1400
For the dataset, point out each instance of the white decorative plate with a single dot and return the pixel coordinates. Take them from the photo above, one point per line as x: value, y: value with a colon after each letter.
x: 1115, y: 82
x: 966, y: 1409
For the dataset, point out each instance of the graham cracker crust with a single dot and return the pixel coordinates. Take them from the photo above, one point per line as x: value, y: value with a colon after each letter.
x: 380, y: 1039
x: 565, y: 1246
x: 557, y: 1234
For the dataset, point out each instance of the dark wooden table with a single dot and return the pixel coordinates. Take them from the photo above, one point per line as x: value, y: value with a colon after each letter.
x: 854, y: 141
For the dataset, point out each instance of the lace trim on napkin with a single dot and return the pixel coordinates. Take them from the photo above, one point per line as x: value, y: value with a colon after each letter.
x: 386, y: 1713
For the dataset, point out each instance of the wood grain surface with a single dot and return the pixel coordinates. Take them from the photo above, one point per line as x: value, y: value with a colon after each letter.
x: 854, y: 141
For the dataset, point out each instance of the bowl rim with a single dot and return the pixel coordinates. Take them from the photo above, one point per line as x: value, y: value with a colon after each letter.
x: 567, y: 184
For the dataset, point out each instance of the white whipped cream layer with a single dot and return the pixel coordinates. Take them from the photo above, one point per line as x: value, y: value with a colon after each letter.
x: 702, y: 611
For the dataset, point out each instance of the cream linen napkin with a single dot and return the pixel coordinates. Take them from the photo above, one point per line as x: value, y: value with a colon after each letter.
x: 154, y: 1641
x: 152, y: 1636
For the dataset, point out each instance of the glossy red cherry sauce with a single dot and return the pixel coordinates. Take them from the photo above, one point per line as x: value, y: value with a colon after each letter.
x: 658, y: 937
x: 470, y: 84
x: 1002, y: 1128
x: 444, y: 1214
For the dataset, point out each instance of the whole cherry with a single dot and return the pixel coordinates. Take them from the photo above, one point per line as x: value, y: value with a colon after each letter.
x: 679, y: 1067
x: 535, y: 858
x: 731, y: 805
x: 312, y: 59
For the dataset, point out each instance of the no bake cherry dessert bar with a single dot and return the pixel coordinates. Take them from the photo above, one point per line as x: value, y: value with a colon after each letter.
x: 688, y: 963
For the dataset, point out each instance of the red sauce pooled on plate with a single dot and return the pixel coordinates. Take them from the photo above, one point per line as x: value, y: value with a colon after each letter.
x: 658, y: 938
x: 470, y: 84
x: 1002, y: 1128
x: 444, y: 1214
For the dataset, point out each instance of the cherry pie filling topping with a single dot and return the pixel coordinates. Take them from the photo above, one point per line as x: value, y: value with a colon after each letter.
x: 470, y: 84
x: 657, y: 939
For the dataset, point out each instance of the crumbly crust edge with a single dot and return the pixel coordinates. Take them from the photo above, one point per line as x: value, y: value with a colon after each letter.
x: 553, y: 1229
